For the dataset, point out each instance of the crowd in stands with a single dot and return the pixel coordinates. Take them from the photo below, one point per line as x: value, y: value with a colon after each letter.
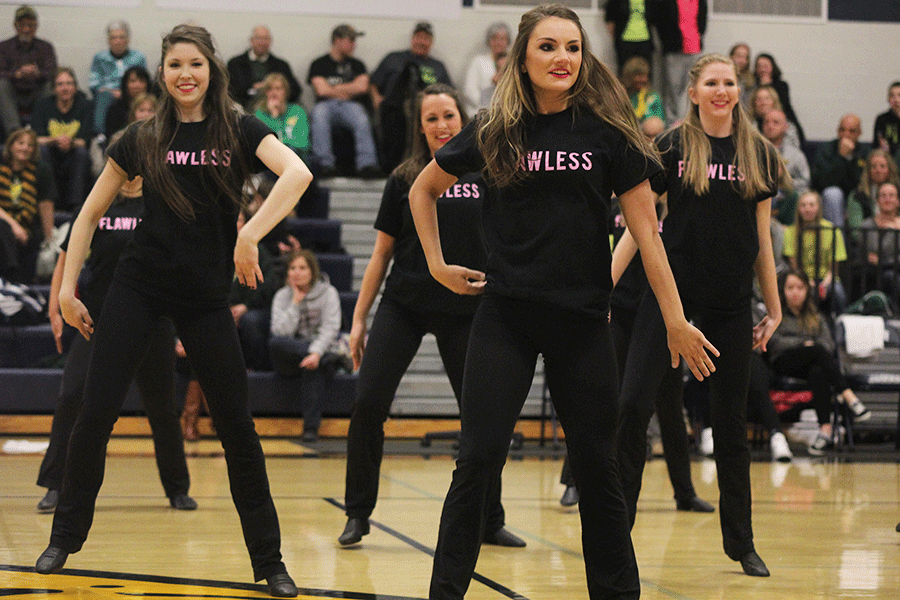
x: 835, y: 215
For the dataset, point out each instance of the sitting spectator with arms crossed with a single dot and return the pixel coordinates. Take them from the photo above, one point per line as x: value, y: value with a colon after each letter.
x: 27, y: 66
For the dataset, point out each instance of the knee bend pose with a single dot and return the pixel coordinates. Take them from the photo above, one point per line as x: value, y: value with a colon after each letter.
x: 412, y: 304
x: 559, y: 138
x: 802, y: 346
x: 718, y: 180
x: 155, y: 376
x: 194, y: 156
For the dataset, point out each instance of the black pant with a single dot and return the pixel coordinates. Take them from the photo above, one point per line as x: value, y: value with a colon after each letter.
x: 820, y: 369
x: 759, y: 404
x: 668, y: 404
x: 155, y: 380
x: 580, y: 369
x: 286, y: 356
x: 211, y: 343
x: 645, y: 368
x: 393, y: 342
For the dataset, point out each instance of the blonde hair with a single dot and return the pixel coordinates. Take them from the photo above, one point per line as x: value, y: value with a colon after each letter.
x: 865, y: 182
x: 501, y: 131
x: 773, y: 93
x: 754, y: 154
x: 267, y: 83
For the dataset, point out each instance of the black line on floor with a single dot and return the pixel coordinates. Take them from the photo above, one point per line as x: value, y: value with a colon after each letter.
x: 421, y: 547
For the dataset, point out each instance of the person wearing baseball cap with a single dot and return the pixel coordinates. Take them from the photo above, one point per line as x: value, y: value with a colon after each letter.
x: 27, y: 66
x: 397, y: 79
x: 341, y: 83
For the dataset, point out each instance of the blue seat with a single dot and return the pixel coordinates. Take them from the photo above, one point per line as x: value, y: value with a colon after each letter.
x: 348, y: 305
x: 319, y: 235
x: 339, y: 268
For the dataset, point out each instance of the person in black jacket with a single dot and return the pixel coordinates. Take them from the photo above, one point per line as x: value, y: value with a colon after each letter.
x: 628, y: 23
x: 247, y: 70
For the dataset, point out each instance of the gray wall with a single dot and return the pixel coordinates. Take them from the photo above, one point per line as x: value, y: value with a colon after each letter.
x: 832, y: 67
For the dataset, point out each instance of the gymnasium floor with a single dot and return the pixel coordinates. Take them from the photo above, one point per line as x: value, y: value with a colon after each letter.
x: 824, y: 527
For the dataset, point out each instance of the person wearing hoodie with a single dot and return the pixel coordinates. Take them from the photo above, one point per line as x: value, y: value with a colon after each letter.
x: 306, y: 319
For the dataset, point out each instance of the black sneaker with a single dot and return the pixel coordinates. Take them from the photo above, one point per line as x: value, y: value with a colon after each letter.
x: 48, y: 502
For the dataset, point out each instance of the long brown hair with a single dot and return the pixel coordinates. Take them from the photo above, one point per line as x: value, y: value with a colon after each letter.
x: 13, y: 137
x: 753, y: 156
x: 155, y: 135
x: 419, y: 153
x: 502, y: 127
x: 810, y: 321
x: 866, y: 183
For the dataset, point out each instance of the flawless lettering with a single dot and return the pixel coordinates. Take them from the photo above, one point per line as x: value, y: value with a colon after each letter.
x: 717, y: 171
x: 176, y: 157
x: 548, y: 160
x: 118, y: 223
x: 462, y: 190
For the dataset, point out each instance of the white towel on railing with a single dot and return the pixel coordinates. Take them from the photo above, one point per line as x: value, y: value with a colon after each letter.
x: 863, y: 334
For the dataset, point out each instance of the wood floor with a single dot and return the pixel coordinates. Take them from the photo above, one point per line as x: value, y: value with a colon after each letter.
x: 825, y: 529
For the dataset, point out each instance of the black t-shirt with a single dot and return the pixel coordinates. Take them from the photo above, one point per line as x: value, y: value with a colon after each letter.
x: 711, y: 240
x: 548, y: 236
x: 391, y: 77
x: 114, y: 231
x: 186, y: 262
x: 335, y: 72
x: 462, y: 242
x: 887, y: 126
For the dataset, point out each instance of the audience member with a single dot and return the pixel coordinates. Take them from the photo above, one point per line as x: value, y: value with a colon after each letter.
x: 287, y: 120
x: 763, y: 100
x: 880, y: 168
x: 680, y: 25
x: 636, y: 79
x: 107, y: 70
x: 887, y: 124
x: 27, y: 194
x: 740, y: 56
x: 341, y: 84
x: 135, y: 81
x: 247, y: 70
x: 306, y: 319
x: 27, y: 67
x: 838, y: 167
x: 143, y: 106
x: 816, y: 247
x: 483, y: 71
x: 766, y: 72
x: 784, y: 204
x: 652, y: 127
x: 803, y: 347
x: 63, y: 126
x: 881, y: 242
x: 628, y: 24
x: 395, y: 83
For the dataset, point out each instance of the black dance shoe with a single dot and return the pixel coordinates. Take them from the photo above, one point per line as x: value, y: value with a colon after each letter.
x: 570, y: 496
x: 183, y: 502
x: 354, y: 531
x: 51, y: 561
x: 753, y: 565
x: 503, y: 537
x: 48, y: 502
x: 282, y: 586
x: 695, y: 504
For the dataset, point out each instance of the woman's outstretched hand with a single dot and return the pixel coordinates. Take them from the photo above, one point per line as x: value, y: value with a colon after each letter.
x: 460, y: 279
x: 763, y: 331
x: 689, y: 342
